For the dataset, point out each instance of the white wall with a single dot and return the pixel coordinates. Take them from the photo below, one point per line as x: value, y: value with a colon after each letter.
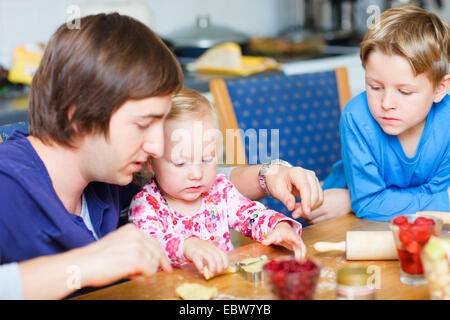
x: 23, y: 21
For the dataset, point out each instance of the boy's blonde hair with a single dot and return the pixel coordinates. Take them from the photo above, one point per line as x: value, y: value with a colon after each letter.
x: 414, y: 33
x: 189, y: 104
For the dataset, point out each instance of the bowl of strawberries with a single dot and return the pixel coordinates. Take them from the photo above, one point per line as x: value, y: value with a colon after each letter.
x: 411, y: 233
x: 292, y: 280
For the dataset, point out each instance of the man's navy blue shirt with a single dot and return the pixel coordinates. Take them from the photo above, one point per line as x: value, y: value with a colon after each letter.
x: 33, y: 220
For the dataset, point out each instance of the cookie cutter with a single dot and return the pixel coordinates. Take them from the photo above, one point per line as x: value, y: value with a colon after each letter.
x: 244, y: 269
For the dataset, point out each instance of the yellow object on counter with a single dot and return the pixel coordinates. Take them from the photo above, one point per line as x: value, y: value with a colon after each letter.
x: 25, y: 62
x: 227, y: 58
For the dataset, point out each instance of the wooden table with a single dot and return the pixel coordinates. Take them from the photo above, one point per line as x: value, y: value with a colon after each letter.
x: 232, y: 286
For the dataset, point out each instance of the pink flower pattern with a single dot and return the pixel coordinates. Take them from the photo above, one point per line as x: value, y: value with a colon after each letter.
x: 223, y: 207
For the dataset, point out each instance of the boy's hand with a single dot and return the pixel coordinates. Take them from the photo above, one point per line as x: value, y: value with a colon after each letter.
x: 203, y: 252
x: 284, y: 235
x: 336, y: 203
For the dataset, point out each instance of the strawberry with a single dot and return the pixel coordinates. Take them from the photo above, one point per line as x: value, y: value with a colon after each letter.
x: 413, y: 247
x: 406, y: 226
x: 421, y: 233
x: 293, y: 280
x: 413, y: 268
x: 405, y: 237
x: 424, y: 221
x: 416, y: 257
x: 411, y: 262
x: 400, y: 220
x: 404, y: 257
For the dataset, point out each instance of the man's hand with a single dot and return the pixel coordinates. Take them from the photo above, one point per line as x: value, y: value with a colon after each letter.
x: 286, y: 183
x: 126, y: 252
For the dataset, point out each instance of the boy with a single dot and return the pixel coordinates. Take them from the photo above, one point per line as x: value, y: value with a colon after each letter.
x: 395, y: 137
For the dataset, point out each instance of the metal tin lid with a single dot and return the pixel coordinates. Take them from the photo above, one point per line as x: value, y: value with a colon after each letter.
x: 353, y: 275
x: 205, y: 35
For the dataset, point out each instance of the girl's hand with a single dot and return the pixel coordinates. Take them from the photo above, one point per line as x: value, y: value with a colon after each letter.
x: 284, y: 235
x: 203, y: 252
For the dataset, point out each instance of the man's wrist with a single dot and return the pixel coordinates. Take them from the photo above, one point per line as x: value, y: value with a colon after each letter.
x: 263, y: 171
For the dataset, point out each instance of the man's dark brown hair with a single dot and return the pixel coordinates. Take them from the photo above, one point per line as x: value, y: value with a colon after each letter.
x: 86, y: 74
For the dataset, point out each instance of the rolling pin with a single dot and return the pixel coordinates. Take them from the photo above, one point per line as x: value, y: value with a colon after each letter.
x: 363, y: 245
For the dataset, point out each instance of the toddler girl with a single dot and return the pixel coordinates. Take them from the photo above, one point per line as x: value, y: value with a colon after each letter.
x: 189, y: 208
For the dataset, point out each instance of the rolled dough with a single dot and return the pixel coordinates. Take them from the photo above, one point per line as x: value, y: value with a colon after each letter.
x: 195, y: 291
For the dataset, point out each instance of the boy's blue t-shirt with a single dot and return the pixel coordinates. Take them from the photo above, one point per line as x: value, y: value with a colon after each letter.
x: 383, y: 182
x: 33, y: 220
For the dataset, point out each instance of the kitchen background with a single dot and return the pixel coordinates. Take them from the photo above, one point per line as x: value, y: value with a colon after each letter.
x: 24, y: 21
x: 339, y: 24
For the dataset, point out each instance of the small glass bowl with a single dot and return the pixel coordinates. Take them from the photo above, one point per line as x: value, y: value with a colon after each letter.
x: 290, y: 280
x: 411, y: 233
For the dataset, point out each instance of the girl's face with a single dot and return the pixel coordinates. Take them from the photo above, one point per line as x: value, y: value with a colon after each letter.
x: 398, y: 100
x: 135, y: 133
x: 188, y: 166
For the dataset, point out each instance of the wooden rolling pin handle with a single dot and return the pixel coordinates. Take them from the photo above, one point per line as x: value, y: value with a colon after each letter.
x: 329, y: 246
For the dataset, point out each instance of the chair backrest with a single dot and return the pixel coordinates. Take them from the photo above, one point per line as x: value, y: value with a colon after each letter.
x: 7, y: 129
x: 296, y: 114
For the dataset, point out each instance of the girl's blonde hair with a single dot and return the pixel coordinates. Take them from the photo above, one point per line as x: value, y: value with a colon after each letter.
x: 414, y: 33
x: 189, y: 104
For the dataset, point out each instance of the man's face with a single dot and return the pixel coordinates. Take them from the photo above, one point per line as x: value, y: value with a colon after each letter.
x: 135, y: 133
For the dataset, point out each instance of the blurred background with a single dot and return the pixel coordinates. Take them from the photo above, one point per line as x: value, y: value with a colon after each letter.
x: 302, y: 35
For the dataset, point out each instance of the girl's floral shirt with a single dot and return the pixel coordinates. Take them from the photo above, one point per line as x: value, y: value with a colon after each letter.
x: 223, y: 207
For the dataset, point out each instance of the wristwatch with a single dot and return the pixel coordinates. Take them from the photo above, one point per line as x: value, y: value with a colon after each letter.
x: 265, y: 168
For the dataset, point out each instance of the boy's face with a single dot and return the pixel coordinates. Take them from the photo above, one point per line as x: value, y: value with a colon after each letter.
x: 398, y: 100
x: 188, y: 167
x: 135, y: 133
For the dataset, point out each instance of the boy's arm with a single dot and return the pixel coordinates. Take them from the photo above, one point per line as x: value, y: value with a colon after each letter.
x: 371, y: 198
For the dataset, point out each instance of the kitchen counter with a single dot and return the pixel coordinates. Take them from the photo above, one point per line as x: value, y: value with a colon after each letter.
x: 14, y: 103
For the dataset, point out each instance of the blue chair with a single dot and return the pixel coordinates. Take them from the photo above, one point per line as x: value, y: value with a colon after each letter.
x: 292, y: 117
x: 7, y: 129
